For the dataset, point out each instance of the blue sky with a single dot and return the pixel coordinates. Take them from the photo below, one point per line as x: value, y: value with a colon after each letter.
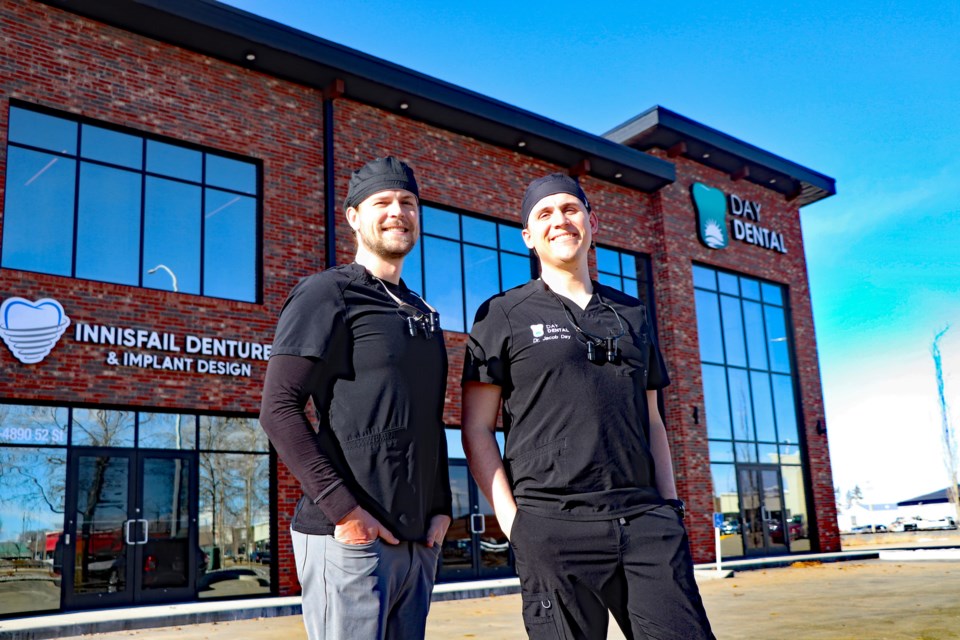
x: 865, y: 92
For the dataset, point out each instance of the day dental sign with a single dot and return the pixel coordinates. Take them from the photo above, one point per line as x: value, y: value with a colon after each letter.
x: 712, y: 206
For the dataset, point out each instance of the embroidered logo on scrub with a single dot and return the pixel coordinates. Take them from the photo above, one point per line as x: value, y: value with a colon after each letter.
x: 545, y: 332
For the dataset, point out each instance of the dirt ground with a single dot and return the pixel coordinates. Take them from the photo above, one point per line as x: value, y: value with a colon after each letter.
x: 855, y: 600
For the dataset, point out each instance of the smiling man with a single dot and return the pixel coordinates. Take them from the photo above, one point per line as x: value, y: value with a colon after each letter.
x: 585, y: 486
x: 369, y: 352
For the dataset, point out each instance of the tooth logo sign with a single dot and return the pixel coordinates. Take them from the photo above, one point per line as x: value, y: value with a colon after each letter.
x: 711, y: 205
x: 32, y: 329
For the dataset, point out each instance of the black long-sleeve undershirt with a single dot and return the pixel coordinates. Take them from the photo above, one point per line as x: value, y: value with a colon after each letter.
x: 286, y: 390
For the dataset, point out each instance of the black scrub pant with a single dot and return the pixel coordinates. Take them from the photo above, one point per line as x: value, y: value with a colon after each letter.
x: 638, y: 568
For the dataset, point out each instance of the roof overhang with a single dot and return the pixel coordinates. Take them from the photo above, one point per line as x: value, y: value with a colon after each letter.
x: 230, y: 34
x: 682, y: 137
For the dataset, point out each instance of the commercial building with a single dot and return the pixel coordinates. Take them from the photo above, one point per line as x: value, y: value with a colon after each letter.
x: 170, y: 168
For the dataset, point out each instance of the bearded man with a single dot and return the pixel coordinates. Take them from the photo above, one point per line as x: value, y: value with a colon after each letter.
x: 368, y: 530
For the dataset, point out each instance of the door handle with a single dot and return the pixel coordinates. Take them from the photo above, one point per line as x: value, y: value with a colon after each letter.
x: 473, y: 523
x: 126, y: 532
x: 764, y: 514
x: 146, y: 531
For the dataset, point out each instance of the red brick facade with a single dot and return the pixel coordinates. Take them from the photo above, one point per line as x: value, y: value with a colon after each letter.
x: 56, y: 59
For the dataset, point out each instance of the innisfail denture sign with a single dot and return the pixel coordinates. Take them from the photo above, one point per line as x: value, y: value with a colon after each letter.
x: 712, y: 206
x: 31, y: 329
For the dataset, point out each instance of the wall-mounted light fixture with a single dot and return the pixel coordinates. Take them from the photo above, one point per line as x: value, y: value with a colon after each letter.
x: 821, y: 428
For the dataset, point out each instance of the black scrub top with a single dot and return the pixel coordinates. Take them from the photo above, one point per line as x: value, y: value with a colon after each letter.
x: 577, y: 444
x: 379, y: 397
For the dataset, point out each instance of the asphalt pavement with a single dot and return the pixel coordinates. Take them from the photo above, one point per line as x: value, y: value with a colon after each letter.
x: 858, y: 599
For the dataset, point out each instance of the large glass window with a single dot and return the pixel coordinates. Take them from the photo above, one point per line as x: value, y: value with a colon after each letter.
x: 235, y: 507
x: 231, y: 500
x: 461, y: 261
x: 32, y: 502
x: 749, y: 394
x: 128, y: 209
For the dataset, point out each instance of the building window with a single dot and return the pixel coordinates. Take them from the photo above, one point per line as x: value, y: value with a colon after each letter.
x: 750, y: 408
x: 87, y: 200
x: 202, y: 481
x: 461, y: 261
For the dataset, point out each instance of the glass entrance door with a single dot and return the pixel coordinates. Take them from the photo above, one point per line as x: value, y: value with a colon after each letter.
x: 129, y: 531
x: 762, y: 512
x: 475, y: 547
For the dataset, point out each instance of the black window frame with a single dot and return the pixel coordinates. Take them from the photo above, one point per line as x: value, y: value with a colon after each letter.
x: 144, y: 174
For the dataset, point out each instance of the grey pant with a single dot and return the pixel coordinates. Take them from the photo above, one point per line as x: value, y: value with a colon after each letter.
x: 373, y: 591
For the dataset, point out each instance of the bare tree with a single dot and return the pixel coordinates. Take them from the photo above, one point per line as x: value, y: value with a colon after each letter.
x: 947, y: 434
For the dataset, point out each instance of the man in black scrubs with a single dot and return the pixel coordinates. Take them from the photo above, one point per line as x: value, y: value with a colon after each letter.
x: 369, y: 352
x: 585, y: 486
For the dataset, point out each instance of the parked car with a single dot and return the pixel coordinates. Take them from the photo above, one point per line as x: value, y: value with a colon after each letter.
x: 869, y: 528
x: 918, y: 523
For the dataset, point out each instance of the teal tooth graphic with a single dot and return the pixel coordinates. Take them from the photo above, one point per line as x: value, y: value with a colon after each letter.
x: 711, y: 206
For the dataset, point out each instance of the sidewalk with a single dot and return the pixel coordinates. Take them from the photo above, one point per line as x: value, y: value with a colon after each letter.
x: 911, y: 597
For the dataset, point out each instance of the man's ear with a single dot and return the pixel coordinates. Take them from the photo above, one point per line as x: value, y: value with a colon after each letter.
x: 353, y: 217
x: 594, y: 223
x: 527, y: 238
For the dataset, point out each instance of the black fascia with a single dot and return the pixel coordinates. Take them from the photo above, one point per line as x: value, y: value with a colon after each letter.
x: 225, y: 32
x: 659, y: 127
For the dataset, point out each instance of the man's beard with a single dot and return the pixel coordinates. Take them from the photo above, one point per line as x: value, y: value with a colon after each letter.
x: 386, y: 249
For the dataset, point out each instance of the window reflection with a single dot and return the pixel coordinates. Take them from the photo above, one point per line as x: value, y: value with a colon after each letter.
x: 795, y: 500
x: 171, y: 235
x: 441, y: 223
x: 111, y: 146
x: 443, y: 286
x: 704, y: 278
x: 232, y: 434
x: 777, y: 337
x: 167, y: 431
x: 174, y: 161
x: 231, y: 174
x: 481, y: 232
x: 733, y: 331
x: 763, y: 406
x: 32, y: 502
x: 716, y: 402
x: 756, y: 336
x: 480, y: 275
x: 42, y: 130
x: 38, y: 216
x: 726, y: 501
x: 785, y: 408
x: 113, y: 203
x: 708, y: 327
x: 108, y: 229
x: 102, y: 428
x: 234, y: 525
x: 514, y: 270
x: 24, y: 424
x: 230, y: 243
